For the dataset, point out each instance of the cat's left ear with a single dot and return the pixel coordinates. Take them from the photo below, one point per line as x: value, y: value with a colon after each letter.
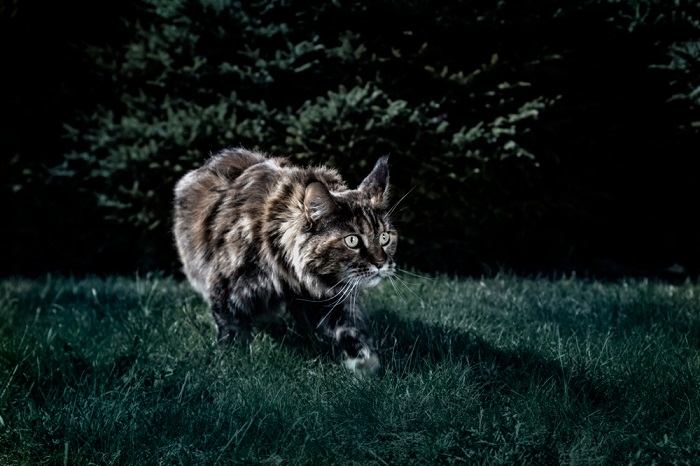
x: 376, y: 185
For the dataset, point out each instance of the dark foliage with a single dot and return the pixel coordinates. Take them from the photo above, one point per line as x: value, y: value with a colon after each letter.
x: 533, y: 135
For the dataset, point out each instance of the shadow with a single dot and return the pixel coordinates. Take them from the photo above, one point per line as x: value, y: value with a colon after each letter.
x: 409, y: 347
x: 412, y: 346
x: 295, y: 336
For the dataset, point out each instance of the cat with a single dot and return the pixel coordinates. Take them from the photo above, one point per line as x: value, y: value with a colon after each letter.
x: 254, y: 232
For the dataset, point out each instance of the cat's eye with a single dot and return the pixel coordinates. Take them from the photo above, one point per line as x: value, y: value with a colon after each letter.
x: 384, y: 238
x: 352, y: 241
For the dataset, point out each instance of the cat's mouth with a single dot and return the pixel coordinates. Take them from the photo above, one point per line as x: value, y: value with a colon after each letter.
x: 376, y: 275
x: 373, y: 280
x: 373, y: 275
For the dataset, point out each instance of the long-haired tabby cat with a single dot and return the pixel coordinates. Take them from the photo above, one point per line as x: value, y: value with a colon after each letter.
x: 254, y: 232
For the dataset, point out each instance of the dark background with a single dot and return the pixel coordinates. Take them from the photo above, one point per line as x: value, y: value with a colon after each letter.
x: 536, y: 136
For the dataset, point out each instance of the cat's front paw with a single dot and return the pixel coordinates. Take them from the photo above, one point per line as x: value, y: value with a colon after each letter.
x: 365, y: 364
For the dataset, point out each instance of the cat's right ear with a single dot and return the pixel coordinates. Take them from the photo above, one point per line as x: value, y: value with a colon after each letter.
x: 376, y: 184
x: 318, y: 201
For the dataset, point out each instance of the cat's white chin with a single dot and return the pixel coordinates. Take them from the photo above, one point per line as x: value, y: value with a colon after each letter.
x: 373, y: 281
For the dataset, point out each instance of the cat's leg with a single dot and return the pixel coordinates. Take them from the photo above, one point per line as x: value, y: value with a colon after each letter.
x: 233, y: 317
x: 348, y: 327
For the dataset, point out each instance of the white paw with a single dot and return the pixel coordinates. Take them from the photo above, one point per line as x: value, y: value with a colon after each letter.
x: 366, y: 364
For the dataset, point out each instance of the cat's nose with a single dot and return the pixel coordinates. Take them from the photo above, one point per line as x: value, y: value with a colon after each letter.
x: 379, y: 260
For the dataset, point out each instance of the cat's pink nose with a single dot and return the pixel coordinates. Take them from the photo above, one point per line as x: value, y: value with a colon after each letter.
x: 379, y: 261
x: 377, y: 257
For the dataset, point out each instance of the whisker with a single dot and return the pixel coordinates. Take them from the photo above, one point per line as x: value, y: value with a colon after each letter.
x: 402, y: 282
x: 397, y: 212
x: 344, y: 296
x: 338, y: 282
x: 327, y: 299
x: 350, y: 276
x: 389, y: 212
x: 346, y: 291
x: 354, y: 307
x: 342, y: 292
x: 396, y: 290
x: 403, y: 294
x: 417, y: 275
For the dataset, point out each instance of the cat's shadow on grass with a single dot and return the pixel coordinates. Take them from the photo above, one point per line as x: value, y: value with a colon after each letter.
x: 412, y: 346
x: 409, y: 346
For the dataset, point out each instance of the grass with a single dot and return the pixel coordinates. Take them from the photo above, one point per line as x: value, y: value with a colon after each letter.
x: 503, y: 370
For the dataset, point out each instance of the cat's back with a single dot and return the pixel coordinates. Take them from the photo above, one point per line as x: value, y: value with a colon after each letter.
x: 201, y: 192
x: 219, y: 176
x: 207, y: 195
x: 239, y: 213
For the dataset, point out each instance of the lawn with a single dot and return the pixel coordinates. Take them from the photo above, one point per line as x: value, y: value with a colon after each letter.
x: 500, y: 370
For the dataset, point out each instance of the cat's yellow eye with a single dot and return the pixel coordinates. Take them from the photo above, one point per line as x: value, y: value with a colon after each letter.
x: 384, y: 238
x: 352, y: 241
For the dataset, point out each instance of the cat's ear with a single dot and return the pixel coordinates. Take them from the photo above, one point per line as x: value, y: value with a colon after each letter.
x: 318, y: 201
x: 376, y: 185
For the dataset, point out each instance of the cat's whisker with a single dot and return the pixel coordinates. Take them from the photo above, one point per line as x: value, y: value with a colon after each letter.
x: 327, y: 299
x: 396, y: 290
x: 348, y: 278
x: 425, y: 277
x: 338, y: 283
x: 396, y: 212
x: 353, y: 309
x: 403, y: 282
x: 341, y: 293
x: 348, y: 295
x: 347, y: 290
x: 403, y: 295
x: 391, y: 210
x: 355, y: 291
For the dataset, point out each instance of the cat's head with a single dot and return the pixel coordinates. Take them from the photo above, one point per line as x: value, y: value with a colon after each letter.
x: 352, y: 241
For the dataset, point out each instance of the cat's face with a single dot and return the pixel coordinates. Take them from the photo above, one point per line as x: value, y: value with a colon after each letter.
x: 353, y: 241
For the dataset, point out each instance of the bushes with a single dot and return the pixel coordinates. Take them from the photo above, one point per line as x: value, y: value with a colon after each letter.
x: 480, y: 105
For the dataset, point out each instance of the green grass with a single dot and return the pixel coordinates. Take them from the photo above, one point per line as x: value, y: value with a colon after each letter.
x: 504, y: 370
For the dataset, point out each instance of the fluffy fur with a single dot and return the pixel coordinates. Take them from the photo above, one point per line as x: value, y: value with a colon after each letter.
x: 254, y: 232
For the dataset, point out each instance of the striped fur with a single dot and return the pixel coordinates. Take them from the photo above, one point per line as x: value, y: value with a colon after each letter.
x: 253, y: 232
